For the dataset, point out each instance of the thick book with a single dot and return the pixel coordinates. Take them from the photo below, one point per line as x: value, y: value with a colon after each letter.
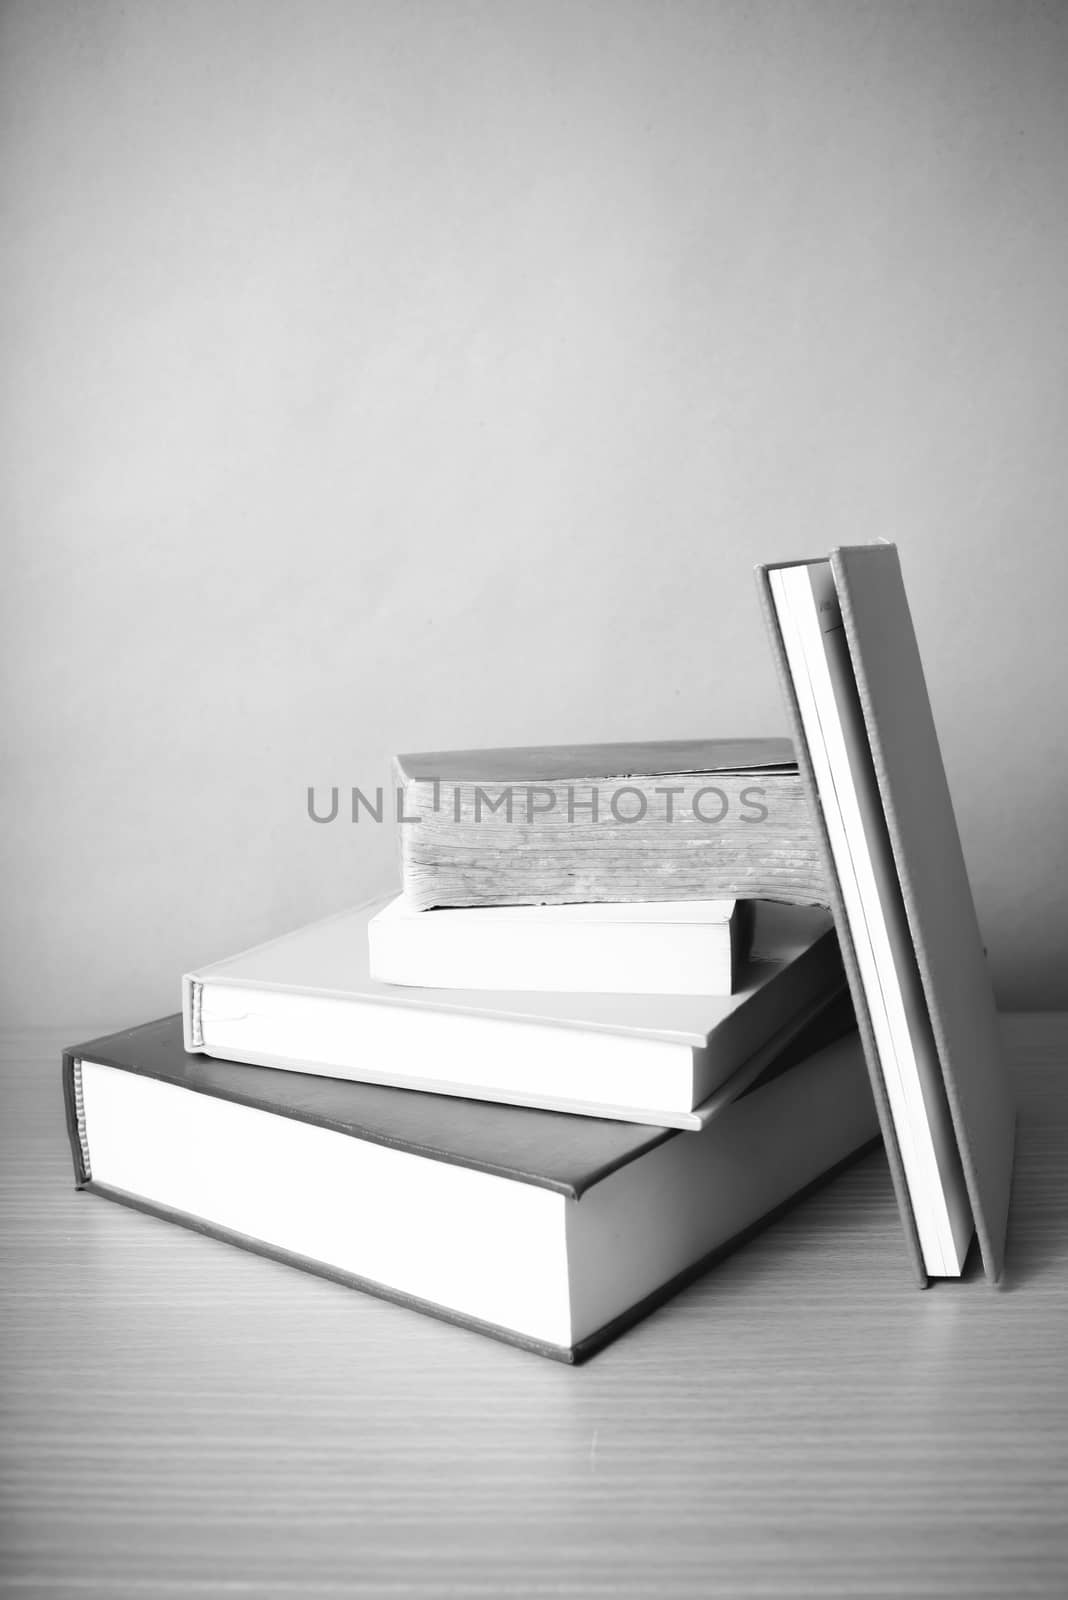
x: 703, y: 819
x: 549, y: 1231
x: 869, y: 754
x: 307, y: 1001
x: 693, y: 947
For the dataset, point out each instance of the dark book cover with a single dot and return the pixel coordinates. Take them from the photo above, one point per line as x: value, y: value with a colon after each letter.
x: 555, y: 1151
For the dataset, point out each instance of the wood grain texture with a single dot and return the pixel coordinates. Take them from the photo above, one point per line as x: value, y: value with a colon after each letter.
x: 180, y: 1418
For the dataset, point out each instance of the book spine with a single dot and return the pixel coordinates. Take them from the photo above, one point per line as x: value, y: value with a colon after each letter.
x: 75, y: 1113
x: 192, y: 1014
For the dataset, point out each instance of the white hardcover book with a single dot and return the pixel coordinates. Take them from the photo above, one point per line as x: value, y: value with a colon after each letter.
x: 660, y: 947
x: 307, y: 1002
x: 810, y: 620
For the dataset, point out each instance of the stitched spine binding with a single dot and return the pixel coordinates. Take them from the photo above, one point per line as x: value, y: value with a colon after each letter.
x: 79, y: 1118
x: 196, y: 1022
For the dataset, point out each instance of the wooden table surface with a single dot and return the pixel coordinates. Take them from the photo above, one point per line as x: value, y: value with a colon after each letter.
x: 180, y: 1418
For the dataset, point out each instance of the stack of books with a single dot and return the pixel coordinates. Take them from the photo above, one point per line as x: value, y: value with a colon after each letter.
x: 604, y: 1031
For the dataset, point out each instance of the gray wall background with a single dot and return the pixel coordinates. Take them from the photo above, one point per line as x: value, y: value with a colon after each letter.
x: 400, y: 375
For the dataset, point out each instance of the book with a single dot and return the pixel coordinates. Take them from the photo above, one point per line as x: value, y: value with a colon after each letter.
x: 548, y: 1231
x: 685, y: 820
x: 690, y: 947
x: 869, y: 754
x: 307, y: 1001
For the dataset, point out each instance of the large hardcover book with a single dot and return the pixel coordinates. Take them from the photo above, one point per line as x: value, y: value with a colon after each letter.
x: 307, y: 1001
x: 869, y: 755
x: 552, y: 1232
x: 700, y: 819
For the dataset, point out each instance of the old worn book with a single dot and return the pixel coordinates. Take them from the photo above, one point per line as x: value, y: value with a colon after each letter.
x: 551, y: 1232
x: 869, y: 754
x: 692, y: 947
x: 307, y: 1002
x: 683, y: 820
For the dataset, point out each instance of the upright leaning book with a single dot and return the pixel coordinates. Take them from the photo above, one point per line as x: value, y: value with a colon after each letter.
x: 868, y: 751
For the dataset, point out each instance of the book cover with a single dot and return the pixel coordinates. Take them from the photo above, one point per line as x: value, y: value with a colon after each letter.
x: 567, y: 1228
x: 693, y: 947
x: 932, y: 883
x: 307, y: 1001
